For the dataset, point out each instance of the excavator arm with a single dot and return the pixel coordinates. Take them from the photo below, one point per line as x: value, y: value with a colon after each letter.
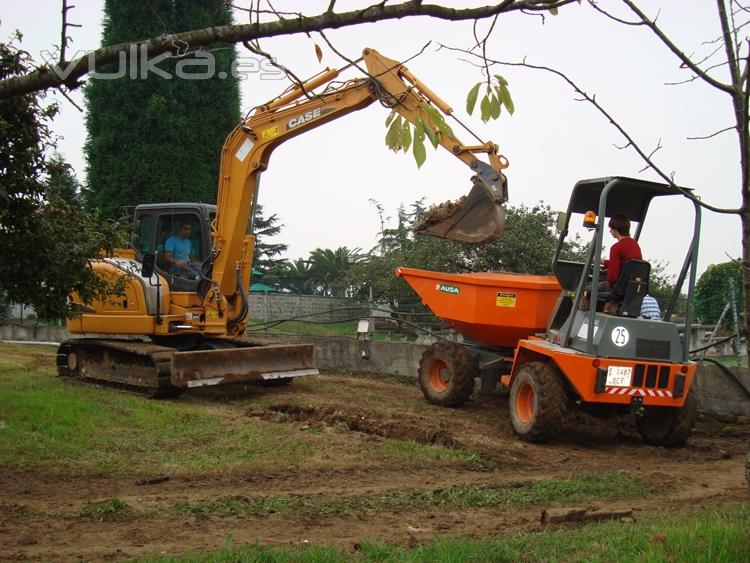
x: 476, y: 218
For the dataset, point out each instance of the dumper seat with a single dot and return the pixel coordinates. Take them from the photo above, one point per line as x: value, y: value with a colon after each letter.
x: 631, y: 287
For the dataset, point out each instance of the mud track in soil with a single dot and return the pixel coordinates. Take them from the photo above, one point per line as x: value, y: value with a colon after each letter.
x: 40, y: 515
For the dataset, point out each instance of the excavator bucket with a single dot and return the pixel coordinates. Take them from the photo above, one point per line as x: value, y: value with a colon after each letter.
x: 475, y: 218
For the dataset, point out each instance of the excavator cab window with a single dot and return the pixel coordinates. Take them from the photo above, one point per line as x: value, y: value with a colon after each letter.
x: 144, y: 235
x: 180, y: 237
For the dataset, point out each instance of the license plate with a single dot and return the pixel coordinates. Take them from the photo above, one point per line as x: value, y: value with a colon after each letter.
x: 619, y: 376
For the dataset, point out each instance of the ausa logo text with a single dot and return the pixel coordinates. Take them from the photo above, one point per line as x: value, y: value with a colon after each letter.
x: 447, y: 288
x: 307, y: 116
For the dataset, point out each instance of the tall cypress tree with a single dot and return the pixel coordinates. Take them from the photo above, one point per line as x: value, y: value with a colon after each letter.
x: 159, y: 139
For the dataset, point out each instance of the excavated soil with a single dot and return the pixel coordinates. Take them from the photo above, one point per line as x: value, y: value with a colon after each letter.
x: 439, y: 213
x: 40, y: 515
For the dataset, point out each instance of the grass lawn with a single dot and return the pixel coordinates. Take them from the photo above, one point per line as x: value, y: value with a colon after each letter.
x: 58, y: 427
x: 695, y: 536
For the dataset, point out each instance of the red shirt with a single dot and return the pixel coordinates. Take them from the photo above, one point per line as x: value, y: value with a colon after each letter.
x: 623, y: 250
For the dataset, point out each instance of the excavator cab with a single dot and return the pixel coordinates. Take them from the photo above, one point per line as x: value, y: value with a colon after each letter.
x: 189, y: 227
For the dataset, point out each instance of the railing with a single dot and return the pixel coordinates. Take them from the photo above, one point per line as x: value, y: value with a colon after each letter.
x: 290, y: 314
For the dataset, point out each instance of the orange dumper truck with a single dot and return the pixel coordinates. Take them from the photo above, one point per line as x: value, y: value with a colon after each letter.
x: 538, y: 335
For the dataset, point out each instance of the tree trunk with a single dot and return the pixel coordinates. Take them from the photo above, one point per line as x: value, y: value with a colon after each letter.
x: 745, y: 219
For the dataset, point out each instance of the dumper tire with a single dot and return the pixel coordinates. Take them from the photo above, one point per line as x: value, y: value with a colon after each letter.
x: 747, y: 469
x: 669, y: 427
x: 446, y: 374
x: 538, y: 403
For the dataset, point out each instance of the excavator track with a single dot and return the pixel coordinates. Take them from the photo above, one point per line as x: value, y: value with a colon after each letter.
x: 126, y: 365
x: 164, y: 371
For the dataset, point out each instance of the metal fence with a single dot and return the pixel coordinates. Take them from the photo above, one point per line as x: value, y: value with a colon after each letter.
x: 309, y: 315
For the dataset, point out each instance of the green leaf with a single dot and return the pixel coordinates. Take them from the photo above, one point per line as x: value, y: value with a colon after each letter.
x: 406, y: 135
x: 501, y: 80
x: 431, y: 134
x: 390, y: 118
x: 486, y: 109
x: 419, y: 130
x: 420, y: 154
x: 553, y: 11
x: 431, y: 112
x: 437, y: 120
x: 505, y: 98
x: 393, y: 137
x: 471, y: 99
x: 494, y: 106
x: 444, y: 128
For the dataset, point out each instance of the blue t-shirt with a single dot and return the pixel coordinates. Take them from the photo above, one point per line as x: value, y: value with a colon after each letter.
x: 181, y: 248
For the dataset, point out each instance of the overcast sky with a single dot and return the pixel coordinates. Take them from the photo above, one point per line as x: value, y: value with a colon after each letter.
x: 320, y: 183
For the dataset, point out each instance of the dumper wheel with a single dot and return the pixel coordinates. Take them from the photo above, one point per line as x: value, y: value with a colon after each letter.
x: 537, y: 402
x: 446, y: 374
x: 747, y: 469
x: 669, y: 427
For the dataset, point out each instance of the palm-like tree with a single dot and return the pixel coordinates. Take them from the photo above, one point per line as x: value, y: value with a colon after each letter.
x: 296, y: 276
x: 328, y: 267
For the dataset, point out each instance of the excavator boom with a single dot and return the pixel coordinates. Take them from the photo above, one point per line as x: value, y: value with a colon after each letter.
x: 477, y: 218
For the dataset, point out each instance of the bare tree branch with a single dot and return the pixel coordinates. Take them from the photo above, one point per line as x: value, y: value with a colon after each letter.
x: 349, y: 61
x: 677, y: 52
x: 706, y: 69
x: 682, y: 82
x: 651, y: 156
x: 64, y: 28
x: 158, y: 16
x: 260, y: 52
x: 602, y: 11
x: 630, y: 141
x: 716, y: 134
x: 729, y: 45
x: 50, y: 77
x: 253, y: 10
x: 67, y: 97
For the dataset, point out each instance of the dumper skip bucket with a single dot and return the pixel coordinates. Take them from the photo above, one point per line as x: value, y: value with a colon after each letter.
x: 491, y: 308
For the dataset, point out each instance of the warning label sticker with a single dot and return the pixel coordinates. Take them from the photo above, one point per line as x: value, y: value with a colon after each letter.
x: 270, y: 133
x: 504, y: 299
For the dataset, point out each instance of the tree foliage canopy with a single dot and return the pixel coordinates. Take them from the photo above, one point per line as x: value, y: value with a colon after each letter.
x: 267, y: 255
x: 45, y: 238
x: 712, y: 291
x: 158, y: 139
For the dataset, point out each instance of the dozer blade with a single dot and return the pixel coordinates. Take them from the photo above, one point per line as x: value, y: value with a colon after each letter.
x: 476, y: 218
x: 235, y: 365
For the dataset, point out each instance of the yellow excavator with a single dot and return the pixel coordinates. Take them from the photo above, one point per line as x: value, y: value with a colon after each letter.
x: 179, y: 319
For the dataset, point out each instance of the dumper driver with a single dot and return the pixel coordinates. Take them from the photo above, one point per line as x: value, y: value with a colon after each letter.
x: 626, y: 248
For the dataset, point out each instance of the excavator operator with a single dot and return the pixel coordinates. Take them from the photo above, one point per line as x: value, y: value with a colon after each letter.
x: 179, y: 254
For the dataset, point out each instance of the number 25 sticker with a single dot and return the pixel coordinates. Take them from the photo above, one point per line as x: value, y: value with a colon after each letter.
x: 620, y: 336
